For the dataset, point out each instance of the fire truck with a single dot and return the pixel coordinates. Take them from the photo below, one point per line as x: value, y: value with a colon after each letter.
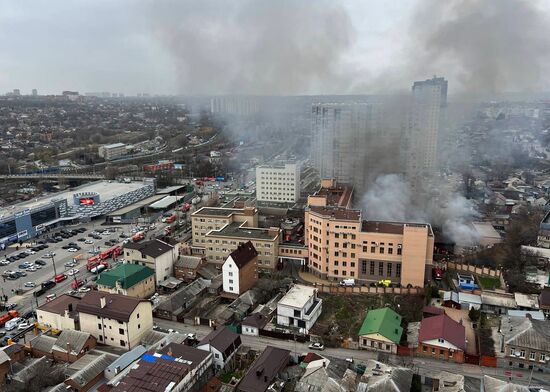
x: 102, y: 258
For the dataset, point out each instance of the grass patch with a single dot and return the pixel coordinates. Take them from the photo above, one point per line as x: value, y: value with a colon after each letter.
x: 489, y: 283
x: 226, y: 377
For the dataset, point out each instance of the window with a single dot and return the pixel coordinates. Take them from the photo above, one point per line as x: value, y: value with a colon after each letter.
x: 532, y: 355
x: 344, y: 272
x: 390, y: 251
x: 336, y: 263
x: 441, y: 352
x: 231, y: 281
x: 336, y: 245
x: 137, y: 315
x: 380, y: 268
x: 399, y: 251
x: 388, y: 347
x: 363, y: 267
x: 100, y: 338
x: 382, y: 250
x: 230, y: 288
x: 121, y: 331
x: 389, y: 269
x: 352, y: 264
x: 450, y: 353
x: 297, y: 313
x: 344, y: 264
x: 98, y: 326
x: 424, y: 349
x: 335, y: 272
x: 372, y: 267
x: 398, y: 270
x: 353, y: 255
x: 433, y: 351
x: 372, y: 249
x: 217, y: 355
x: 139, y: 326
x: 542, y: 357
x: 122, y: 343
x: 230, y: 273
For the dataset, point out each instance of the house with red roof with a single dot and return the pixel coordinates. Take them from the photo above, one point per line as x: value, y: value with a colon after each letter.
x: 443, y: 338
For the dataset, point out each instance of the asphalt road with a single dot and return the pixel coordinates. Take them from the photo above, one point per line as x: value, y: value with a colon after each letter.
x: 423, y: 366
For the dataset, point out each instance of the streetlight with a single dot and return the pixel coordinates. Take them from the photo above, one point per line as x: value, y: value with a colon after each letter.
x: 54, y: 270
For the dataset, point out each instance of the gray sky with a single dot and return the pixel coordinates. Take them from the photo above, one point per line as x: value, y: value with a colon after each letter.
x: 271, y: 47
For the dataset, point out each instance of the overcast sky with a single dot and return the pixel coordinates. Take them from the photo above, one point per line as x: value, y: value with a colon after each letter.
x: 270, y: 47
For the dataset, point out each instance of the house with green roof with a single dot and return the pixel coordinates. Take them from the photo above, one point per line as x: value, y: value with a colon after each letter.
x: 381, y: 330
x: 134, y: 280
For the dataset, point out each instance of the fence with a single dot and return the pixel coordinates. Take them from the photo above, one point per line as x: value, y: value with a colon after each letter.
x: 465, y: 267
x: 335, y: 289
x: 284, y: 335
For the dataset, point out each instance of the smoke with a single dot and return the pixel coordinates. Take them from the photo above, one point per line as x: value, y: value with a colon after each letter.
x: 256, y: 47
x: 390, y: 198
x: 483, y: 46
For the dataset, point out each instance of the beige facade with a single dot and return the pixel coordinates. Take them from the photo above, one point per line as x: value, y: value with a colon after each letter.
x: 215, y: 218
x: 342, y: 246
x: 124, y: 334
x: 278, y: 183
x: 55, y: 321
x: 143, y: 289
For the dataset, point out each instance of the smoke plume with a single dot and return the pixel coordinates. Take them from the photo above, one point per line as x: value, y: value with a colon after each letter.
x: 483, y: 46
x: 256, y: 47
x: 390, y: 198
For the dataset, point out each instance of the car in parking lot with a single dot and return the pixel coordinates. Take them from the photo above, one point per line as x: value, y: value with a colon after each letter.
x: 72, y: 250
x: 30, y: 285
x: 89, y: 242
x: 22, y: 255
x: 29, y: 251
x: 81, y: 240
x: 49, y: 255
x: 4, y: 262
x: 40, y: 262
x: 23, y: 266
x: 72, y: 272
x: 31, y: 269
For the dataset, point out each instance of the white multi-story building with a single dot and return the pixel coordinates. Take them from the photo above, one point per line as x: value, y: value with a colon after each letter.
x: 278, y: 183
x: 155, y: 254
x: 299, y: 308
x: 112, y: 151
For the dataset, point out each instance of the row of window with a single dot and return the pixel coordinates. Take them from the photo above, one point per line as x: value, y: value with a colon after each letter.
x: 441, y: 351
x: 389, y: 269
x: 532, y: 354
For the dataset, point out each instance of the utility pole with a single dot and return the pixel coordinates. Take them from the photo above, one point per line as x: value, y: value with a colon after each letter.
x: 54, y: 270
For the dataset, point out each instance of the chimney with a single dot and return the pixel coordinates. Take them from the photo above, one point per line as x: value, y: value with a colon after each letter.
x: 102, y: 302
x: 169, y: 353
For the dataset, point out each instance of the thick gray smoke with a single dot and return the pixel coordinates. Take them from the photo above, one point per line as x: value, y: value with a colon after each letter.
x: 256, y: 47
x: 483, y: 46
x: 390, y: 198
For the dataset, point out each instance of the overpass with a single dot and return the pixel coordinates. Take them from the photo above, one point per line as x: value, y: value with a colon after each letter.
x: 69, y: 176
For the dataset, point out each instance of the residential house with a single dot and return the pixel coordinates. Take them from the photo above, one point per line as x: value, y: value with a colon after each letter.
x: 299, y: 308
x: 59, y: 314
x: 443, y: 338
x: 155, y: 254
x: 175, y: 367
x: 124, y: 361
x: 264, y: 371
x: 325, y: 375
x: 186, y: 267
x: 380, y: 377
x: 527, y: 301
x: 176, y: 304
x: 9, y: 355
x: 223, y: 344
x: 70, y: 346
x: 466, y: 281
x: 41, y: 346
x: 239, y: 270
x: 491, y: 384
x: 525, y: 343
x: 90, y: 371
x: 133, y: 280
x: 381, y: 330
x: 544, y: 301
x: 253, y: 323
x: 114, y: 319
x: 534, y: 314
x: 498, y: 303
x: 461, y: 300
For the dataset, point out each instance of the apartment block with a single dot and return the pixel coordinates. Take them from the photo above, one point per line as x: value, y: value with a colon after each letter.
x: 207, y: 219
x: 155, y: 254
x: 342, y: 245
x: 278, y: 183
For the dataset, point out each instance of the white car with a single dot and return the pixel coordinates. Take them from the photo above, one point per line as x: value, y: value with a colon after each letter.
x: 23, y: 326
x: 49, y: 254
x: 37, y: 266
x: 4, y: 262
x: 106, y: 232
x: 84, y: 289
x: 89, y: 242
x: 72, y: 272
x: 31, y: 269
x: 30, y: 251
x: 316, y: 346
x: 30, y: 285
x: 72, y: 250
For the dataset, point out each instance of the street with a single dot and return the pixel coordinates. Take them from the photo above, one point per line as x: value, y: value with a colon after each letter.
x: 420, y: 365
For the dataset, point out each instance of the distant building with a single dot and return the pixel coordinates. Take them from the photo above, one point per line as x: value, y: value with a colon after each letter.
x: 112, y: 151
x: 299, y: 308
x: 239, y: 270
x: 223, y: 344
x: 155, y: 254
x: 114, y: 319
x: 381, y: 330
x: 129, y: 279
x: 34, y: 92
x: 16, y: 92
x: 278, y: 183
x: 239, y: 105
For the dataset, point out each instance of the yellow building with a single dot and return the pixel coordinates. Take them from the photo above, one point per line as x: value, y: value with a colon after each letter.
x: 133, y: 280
x: 114, y: 319
x: 59, y: 314
x: 343, y: 246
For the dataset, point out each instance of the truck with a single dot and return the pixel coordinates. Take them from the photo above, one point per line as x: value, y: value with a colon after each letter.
x: 138, y: 236
x: 169, y: 219
x: 185, y: 207
x: 348, y: 282
x: 75, y: 284
x: 102, y: 257
x: 97, y: 269
x: 8, y: 316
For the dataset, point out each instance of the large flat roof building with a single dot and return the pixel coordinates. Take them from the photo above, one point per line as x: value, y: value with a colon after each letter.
x: 278, y: 183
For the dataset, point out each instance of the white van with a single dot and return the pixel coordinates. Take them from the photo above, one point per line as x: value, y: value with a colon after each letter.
x: 13, y: 323
x: 348, y: 282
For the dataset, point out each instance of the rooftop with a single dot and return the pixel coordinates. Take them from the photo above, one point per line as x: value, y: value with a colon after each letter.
x: 223, y: 339
x: 337, y: 195
x: 524, y: 332
x: 238, y: 230
x: 62, y: 303
x: 264, y: 370
x: 298, y: 296
x: 380, y: 377
x: 153, y: 248
x: 443, y: 327
x: 139, y: 204
x: 383, y: 321
x: 127, y: 275
x: 114, y: 145
x: 243, y: 254
x: 74, y: 340
x: 118, y: 307
x: 218, y: 211
x: 165, y: 202
x: 337, y: 213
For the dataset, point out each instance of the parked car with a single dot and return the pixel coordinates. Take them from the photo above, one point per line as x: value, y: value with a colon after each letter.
x: 40, y: 262
x: 23, y: 325
x: 316, y: 346
x: 4, y: 262
x: 31, y: 285
x: 72, y: 250
x: 89, y: 242
x: 72, y: 272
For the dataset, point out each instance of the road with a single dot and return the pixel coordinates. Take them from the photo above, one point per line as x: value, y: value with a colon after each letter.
x: 423, y: 366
